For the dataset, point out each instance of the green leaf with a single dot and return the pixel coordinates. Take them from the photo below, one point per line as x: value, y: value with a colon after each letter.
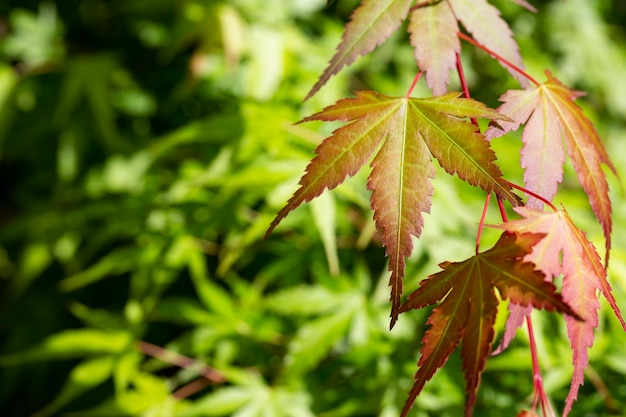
x: 71, y: 344
x: 324, y: 215
x: 304, y: 300
x: 225, y: 401
x: 314, y: 340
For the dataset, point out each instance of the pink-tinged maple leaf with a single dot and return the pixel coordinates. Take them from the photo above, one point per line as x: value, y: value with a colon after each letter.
x: 433, y: 30
x: 468, y: 310
x: 434, y: 35
x: 566, y: 251
x: 370, y: 25
x: 550, y: 114
x: 406, y: 132
x: 484, y: 23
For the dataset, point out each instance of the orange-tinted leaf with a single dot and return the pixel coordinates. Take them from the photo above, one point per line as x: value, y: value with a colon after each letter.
x: 370, y: 25
x: 468, y: 310
x: 407, y: 131
x: 550, y: 113
x: 566, y: 251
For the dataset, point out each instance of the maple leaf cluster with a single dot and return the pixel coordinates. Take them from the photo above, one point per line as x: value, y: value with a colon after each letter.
x: 399, y: 137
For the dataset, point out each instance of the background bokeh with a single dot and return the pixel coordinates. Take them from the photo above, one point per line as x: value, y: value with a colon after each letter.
x: 145, y: 146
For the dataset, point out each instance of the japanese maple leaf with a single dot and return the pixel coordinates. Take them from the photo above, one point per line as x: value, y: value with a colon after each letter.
x: 434, y: 35
x: 434, y: 31
x: 484, y: 23
x: 468, y: 310
x: 404, y: 133
x: 566, y: 251
x: 370, y: 25
x: 550, y: 114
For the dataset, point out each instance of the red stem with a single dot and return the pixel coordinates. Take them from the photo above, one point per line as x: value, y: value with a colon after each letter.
x: 413, y: 84
x: 540, y: 394
x: 503, y: 214
x: 482, y: 222
x: 537, y: 196
x: 181, y: 361
x: 499, y: 58
x: 459, y: 70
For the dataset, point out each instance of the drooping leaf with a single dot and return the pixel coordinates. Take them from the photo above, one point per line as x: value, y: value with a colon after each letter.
x: 550, y: 113
x: 468, y: 310
x: 370, y: 25
x: 407, y: 131
x: 434, y: 35
x: 433, y: 30
x: 566, y: 251
x: 487, y: 27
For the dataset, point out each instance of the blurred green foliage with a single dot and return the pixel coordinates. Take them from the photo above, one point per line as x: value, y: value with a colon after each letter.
x: 145, y: 146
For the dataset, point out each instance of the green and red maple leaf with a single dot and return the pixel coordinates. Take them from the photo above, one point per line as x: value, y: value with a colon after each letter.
x: 400, y: 135
x: 433, y: 30
x: 468, y: 310
x: 403, y: 133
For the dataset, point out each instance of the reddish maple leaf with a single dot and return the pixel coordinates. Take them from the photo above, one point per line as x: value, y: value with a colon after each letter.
x: 468, y: 310
x: 550, y: 113
x: 434, y: 31
x: 407, y: 131
x: 566, y: 251
x: 434, y: 35
x: 488, y: 28
x: 370, y: 25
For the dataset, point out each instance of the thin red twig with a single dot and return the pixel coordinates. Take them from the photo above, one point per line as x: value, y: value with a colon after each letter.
x: 537, y: 196
x: 499, y: 58
x: 413, y: 84
x: 466, y: 93
x: 503, y: 214
x: 181, y: 361
x: 482, y: 222
x: 539, y: 396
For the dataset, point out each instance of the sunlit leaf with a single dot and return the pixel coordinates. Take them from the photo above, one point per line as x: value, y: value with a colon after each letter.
x: 550, y: 114
x: 407, y: 132
x: 370, y: 25
x: 566, y: 251
x: 467, y: 313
